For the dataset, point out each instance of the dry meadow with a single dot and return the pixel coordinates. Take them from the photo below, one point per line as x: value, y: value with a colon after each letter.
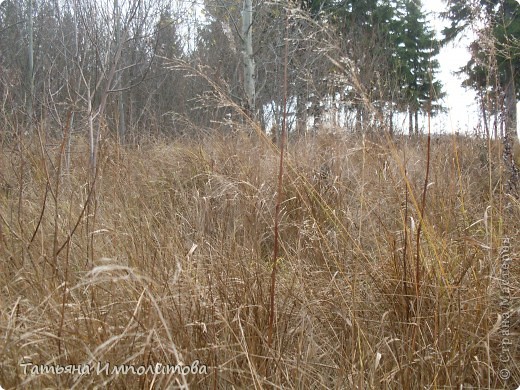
x: 161, y: 265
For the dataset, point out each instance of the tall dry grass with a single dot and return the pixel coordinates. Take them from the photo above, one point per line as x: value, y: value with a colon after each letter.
x: 166, y: 258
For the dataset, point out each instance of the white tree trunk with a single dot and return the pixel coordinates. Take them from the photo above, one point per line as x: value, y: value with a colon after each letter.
x: 247, y: 53
x: 30, y: 63
x: 121, y: 108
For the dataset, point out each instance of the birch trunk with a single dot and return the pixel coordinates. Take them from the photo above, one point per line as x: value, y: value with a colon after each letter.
x: 247, y: 53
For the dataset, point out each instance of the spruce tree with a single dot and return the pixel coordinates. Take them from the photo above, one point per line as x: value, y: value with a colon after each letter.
x: 415, y: 63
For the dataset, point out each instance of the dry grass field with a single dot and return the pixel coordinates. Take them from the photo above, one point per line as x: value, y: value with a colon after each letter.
x: 383, y: 280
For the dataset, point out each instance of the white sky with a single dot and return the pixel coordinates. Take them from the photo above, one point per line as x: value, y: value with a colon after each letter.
x: 463, y: 112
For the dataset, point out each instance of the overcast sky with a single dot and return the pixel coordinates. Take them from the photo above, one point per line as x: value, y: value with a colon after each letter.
x: 463, y: 114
